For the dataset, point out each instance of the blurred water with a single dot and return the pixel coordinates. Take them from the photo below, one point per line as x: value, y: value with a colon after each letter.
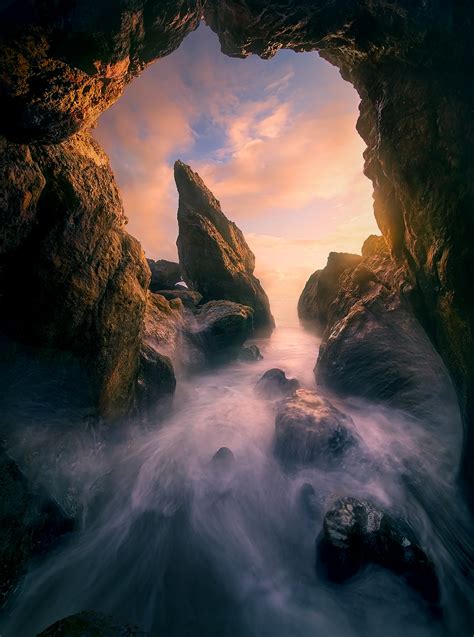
x: 180, y: 547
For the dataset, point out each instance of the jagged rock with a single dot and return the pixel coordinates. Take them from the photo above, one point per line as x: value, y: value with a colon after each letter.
x: 164, y: 274
x: 60, y: 67
x: 275, y: 384
x: 222, y: 327
x: 250, y: 354
x: 309, y: 430
x: 90, y: 624
x: 374, y: 346
x: 86, y: 278
x: 356, y: 533
x: 156, y: 382
x: 213, y: 253
x: 189, y: 298
x: 322, y: 287
x: 31, y: 524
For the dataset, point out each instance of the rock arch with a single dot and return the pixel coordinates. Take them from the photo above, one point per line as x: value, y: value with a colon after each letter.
x: 412, y: 64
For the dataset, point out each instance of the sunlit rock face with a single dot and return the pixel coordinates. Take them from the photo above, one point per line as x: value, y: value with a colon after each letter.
x: 77, y: 281
x: 412, y: 64
x: 62, y: 65
x: 215, y: 258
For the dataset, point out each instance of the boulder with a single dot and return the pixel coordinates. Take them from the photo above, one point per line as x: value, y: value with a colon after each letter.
x: 322, y: 288
x: 309, y: 430
x: 77, y: 282
x: 156, y: 382
x: 90, y: 624
x: 275, y: 384
x: 222, y: 327
x: 374, y: 346
x: 31, y: 524
x: 357, y: 533
x: 164, y: 274
x: 213, y: 253
x: 250, y: 354
x: 189, y: 298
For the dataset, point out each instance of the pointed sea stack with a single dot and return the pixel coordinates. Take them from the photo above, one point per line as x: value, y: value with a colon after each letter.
x: 214, y: 256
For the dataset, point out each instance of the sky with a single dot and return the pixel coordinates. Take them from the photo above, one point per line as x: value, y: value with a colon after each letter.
x: 274, y: 140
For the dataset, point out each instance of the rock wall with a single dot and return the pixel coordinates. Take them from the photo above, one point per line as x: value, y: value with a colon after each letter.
x: 413, y: 65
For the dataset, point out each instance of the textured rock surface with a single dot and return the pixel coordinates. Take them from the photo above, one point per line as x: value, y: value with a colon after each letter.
x: 90, y: 624
x: 309, y: 430
x: 189, y: 298
x: 164, y: 274
x: 322, y: 287
x: 222, y: 327
x: 250, y: 354
x: 412, y: 64
x: 275, y: 384
x: 213, y: 253
x: 61, y: 65
x: 31, y: 523
x: 373, y: 345
x: 77, y: 282
x: 356, y: 533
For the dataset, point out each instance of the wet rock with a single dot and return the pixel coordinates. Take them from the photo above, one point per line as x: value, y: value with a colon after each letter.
x: 31, y: 524
x: 90, y: 624
x: 86, y: 278
x: 222, y: 327
x: 309, y: 502
x: 189, y: 298
x: 374, y: 346
x: 156, y: 382
x: 250, y: 354
x: 213, y: 253
x: 164, y: 274
x: 309, y: 430
x: 322, y: 288
x: 223, y: 459
x: 275, y: 384
x: 60, y: 67
x: 356, y: 533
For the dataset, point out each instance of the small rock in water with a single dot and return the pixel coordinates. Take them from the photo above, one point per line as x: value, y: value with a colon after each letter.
x: 90, y: 624
x: 250, y: 354
x: 355, y: 533
x: 223, y: 458
x: 308, y: 501
x: 275, y: 384
x: 309, y: 430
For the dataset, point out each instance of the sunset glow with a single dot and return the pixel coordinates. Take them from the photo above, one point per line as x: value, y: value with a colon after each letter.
x: 279, y: 151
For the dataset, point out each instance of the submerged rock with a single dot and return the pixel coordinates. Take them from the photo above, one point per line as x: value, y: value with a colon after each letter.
x: 164, y: 274
x: 323, y: 287
x: 222, y: 327
x: 356, y: 533
x: 213, y: 253
x: 31, y: 524
x: 223, y: 459
x: 275, y: 384
x: 88, y: 623
x: 309, y: 430
x: 189, y: 298
x: 250, y: 354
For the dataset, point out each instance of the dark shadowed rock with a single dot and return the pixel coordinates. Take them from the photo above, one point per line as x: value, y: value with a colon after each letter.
x: 309, y: 502
x: 90, y: 624
x: 156, y: 382
x: 309, y: 430
x: 31, y: 524
x: 213, y: 253
x: 374, y: 346
x: 275, y: 384
x: 322, y: 288
x: 222, y: 327
x: 250, y: 354
x: 164, y: 274
x: 223, y: 459
x: 189, y: 298
x: 356, y: 533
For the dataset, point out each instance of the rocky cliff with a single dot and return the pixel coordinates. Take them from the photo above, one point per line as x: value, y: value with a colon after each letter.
x: 213, y: 253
